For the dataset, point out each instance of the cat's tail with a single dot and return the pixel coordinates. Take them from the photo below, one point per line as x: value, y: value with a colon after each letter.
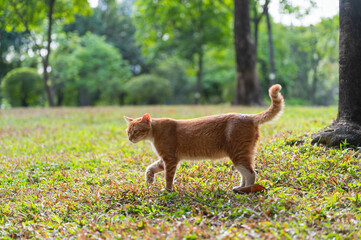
x: 275, y: 109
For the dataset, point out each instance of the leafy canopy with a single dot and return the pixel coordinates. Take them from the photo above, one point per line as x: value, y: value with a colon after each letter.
x: 181, y: 27
x: 29, y: 15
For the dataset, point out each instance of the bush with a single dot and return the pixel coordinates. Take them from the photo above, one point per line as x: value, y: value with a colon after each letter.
x: 23, y: 87
x: 181, y: 85
x: 147, y: 89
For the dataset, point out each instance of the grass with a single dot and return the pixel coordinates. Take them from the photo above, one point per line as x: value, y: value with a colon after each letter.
x: 70, y: 172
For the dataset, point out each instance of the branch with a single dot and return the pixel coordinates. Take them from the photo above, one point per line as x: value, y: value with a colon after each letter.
x: 265, y: 8
x: 38, y: 48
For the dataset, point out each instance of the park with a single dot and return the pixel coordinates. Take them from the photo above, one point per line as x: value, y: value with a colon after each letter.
x: 71, y: 70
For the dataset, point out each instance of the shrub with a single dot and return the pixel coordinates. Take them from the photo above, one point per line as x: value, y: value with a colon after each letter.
x: 181, y: 85
x: 23, y: 87
x: 147, y: 89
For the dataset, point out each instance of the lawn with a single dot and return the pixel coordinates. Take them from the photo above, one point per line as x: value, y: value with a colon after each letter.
x: 71, y: 173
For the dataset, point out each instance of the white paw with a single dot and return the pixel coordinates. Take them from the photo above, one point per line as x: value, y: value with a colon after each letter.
x: 149, y: 177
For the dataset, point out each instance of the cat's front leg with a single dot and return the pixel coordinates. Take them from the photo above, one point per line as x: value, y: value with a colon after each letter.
x: 152, y: 169
x: 170, y: 169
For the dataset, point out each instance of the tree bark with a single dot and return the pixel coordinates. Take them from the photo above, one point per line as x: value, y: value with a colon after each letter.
x: 248, y: 90
x: 272, y: 75
x: 314, y: 85
x: 256, y: 21
x: 47, y: 84
x: 348, y: 123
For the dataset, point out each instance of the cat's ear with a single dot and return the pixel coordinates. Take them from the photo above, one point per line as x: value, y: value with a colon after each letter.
x: 128, y: 119
x: 146, y: 118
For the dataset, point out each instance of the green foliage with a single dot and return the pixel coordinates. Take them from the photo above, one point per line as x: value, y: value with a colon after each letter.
x: 183, y: 27
x: 219, y: 76
x: 180, y: 83
x: 303, y: 55
x: 113, y: 21
x: 10, y: 41
x: 23, y: 87
x: 71, y: 173
x: 89, y: 71
x: 147, y: 89
x: 31, y: 16
x: 28, y: 15
x: 286, y: 6
x: 173, y: 35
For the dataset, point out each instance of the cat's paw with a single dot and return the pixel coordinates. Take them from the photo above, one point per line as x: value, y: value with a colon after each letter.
x: 167, y: 190
x: 149, y: 177
x: 249, y: 189
x: 237, y: 189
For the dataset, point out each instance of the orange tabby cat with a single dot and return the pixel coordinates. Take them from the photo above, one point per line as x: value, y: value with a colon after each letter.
x: 230, y: 135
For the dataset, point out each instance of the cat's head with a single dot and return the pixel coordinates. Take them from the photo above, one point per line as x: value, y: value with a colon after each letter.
x: 139, y: 128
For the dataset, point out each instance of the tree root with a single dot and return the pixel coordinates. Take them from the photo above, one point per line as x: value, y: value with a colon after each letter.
x: 340, y: 132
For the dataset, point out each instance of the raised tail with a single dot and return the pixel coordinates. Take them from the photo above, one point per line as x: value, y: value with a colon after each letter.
x: 275, y: 109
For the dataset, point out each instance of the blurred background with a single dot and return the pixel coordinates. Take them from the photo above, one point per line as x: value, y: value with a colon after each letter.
x: 128, y: 52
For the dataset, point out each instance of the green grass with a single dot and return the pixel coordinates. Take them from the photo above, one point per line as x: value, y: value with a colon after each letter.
x: 71, y: 172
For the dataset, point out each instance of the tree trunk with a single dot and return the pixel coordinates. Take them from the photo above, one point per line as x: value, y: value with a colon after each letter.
x: 199, y: 78
x: 84, y: 97
x: 256, y: 20
x: 248, y: 90
x: 272, y: 75
x: 60, y: 97
x: 47, y: 84
x: 314, y: 86
x: 348, y: 123
x: 200, y: 28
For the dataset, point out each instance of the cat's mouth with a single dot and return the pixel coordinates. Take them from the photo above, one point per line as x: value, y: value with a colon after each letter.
x: 133, y: 140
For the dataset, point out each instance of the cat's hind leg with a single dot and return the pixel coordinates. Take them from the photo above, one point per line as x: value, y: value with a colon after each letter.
x: 244, y: 165
x: 152, y: 169
x: 248, y: 175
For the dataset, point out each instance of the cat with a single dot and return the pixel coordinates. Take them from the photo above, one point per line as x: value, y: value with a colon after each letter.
x: 230, y: 135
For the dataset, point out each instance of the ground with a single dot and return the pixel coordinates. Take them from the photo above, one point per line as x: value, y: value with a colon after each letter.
x: 71, y: 172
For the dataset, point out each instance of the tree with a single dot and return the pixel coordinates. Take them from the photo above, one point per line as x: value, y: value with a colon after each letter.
x: 22, y: 87
x: 248, y: 90
x: 114, y: 21
x: 29, y: 15
x: 256, y: 19
x: 347, y: 127
x: 182, y: 28
x: 89, y: 71
x: 272, y: 75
